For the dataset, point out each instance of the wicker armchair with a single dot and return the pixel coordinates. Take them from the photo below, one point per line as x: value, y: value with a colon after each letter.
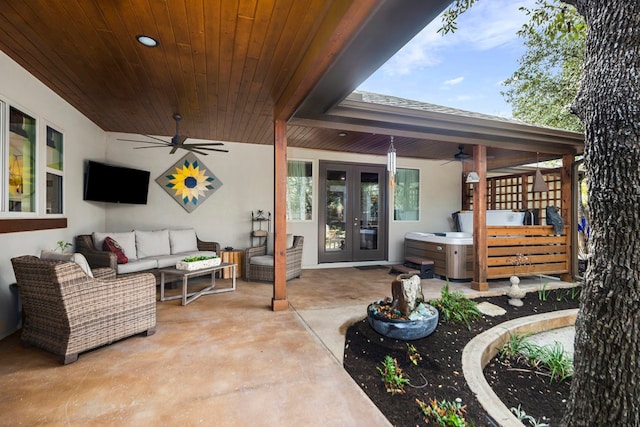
x: 67, y: 312
x: 263, y: 270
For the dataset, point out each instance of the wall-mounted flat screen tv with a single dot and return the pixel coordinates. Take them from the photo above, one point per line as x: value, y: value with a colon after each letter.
x: 115, y: 184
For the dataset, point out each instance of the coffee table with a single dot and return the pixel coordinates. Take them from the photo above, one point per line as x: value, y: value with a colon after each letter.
x: 186, y: 274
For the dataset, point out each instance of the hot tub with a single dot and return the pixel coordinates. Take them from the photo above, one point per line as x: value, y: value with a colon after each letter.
x: 451, y: 252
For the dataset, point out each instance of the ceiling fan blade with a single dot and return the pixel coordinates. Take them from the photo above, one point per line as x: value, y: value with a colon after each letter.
x: 207, y: 143
x: 165, y: 143
x: 194, y: 146
x: 193, y: 150
x: 150, y: 146
x: 174, y: 149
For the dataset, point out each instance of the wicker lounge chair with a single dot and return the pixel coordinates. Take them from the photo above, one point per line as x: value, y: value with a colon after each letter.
x: 263, y: 270
x: 68, y: 312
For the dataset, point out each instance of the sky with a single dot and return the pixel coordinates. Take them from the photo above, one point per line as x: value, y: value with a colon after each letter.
x: 464, y: 69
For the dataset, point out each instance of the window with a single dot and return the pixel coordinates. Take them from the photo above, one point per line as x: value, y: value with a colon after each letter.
x: 299, y: 190
x: 407, y: 195
x: 55, y: 168
x: 21, y: 162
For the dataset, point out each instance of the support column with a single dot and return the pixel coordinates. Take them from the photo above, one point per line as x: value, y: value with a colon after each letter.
x: 479, y: 282
x: 567, y: 210
x: 279, y: 301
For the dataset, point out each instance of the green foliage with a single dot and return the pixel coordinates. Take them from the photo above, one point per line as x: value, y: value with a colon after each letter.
x: 543, y: 292
x: 62, y: 246
x: 523, y: 417
x: 414, y: 356
x: 515, y: 345
x: 444, y: 413
x: 392, y: 375
x: 455, y: 307
x: 554, y: 358
x: 197, y: 258
x: 549, y: 357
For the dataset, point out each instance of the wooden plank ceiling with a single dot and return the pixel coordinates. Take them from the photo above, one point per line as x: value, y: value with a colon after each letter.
x: 221, y: 64
x: 228, y: 67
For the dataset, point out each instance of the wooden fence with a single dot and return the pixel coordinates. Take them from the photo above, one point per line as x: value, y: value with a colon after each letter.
x: 526, y: 251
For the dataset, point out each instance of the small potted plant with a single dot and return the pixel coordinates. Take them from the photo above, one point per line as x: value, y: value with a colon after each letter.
x: 198, y: 262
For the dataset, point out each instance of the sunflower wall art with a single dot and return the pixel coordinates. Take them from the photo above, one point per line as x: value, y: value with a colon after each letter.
x: 189, y: 182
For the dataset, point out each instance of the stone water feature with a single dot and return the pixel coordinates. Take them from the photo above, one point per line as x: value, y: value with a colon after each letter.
x: 405, y: 316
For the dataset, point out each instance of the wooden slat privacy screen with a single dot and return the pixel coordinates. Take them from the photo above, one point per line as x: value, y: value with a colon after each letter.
x: 515, y: 192
x: 542, y: 251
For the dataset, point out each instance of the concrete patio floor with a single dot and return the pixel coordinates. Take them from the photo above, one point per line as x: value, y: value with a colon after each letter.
x: 224, y: 360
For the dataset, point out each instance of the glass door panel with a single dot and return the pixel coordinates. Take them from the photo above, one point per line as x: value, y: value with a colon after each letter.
x: 369, y: 194
x: 336, y: 198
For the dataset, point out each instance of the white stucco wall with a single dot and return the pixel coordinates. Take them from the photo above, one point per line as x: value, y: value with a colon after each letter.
x: 246, y: 173
x: 82, y: 139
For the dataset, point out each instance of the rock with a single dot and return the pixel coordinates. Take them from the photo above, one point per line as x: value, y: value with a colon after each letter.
x: 407, y: 291
x: 491, y: 309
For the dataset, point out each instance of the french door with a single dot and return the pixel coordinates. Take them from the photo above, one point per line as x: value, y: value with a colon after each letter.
x: 352, y: 220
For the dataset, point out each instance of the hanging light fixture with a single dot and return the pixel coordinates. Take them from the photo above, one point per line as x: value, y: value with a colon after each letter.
x: 391, y: 162
x: 539, y: 185
x: 473, y: 177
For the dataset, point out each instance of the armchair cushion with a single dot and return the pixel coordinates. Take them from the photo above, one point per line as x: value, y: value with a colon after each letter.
x: 262, y: 260
x: 78, y: 258
x: 183, y: 241
x: 152, y: 243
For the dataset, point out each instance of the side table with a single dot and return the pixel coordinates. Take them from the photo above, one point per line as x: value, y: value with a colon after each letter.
x: 236, y: 257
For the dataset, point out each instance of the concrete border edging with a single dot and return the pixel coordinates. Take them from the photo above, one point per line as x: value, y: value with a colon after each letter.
x: 480, y: 350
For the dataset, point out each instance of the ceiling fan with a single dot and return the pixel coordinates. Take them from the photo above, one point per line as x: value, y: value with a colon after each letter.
x: 460, y: 156
x: 178, y: 141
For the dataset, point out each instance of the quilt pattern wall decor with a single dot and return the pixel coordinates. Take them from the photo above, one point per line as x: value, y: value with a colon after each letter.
x: 189, y: 182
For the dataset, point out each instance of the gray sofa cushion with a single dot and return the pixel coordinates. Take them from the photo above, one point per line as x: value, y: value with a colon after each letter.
x: 137, y: 266
x: 183, y: 241
x: 152, y: 243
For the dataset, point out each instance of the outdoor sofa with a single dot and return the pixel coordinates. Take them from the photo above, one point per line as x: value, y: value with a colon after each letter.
x: 146, y: 251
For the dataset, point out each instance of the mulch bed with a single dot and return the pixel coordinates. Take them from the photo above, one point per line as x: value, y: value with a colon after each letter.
x: 439, y: 374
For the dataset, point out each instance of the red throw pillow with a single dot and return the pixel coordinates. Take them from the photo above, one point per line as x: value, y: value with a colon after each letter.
x: 113, y: 246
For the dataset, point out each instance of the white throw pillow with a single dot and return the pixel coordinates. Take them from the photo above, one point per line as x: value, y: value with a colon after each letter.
x: 289, y: 241
x: 78, y: 258
x: 183, y: 241
x: 126, y: 240
x: 152, y: 243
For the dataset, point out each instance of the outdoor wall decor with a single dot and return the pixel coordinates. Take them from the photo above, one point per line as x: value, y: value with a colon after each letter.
x: 189, y: 182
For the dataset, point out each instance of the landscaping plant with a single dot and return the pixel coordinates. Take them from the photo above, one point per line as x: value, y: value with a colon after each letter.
x: 551, y: 357
x: 392, y: 375
x: 522, y: 416
x: 455, y: 307
x: 443, y: 413
x: 414, y: 356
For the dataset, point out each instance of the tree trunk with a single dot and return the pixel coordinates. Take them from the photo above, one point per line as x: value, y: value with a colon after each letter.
x: 606, y: 385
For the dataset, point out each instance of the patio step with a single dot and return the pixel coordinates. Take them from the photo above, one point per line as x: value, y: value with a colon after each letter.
x: 399, y: 268
x: 418, y: 260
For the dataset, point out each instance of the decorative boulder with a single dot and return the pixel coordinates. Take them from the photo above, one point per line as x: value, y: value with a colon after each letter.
x: 406, y: 290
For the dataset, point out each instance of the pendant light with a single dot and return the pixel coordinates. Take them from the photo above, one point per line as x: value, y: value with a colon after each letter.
x: 539, y: 185
x: 391, y: 162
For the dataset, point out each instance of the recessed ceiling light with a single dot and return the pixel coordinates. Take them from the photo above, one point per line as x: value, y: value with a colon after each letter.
x: 147, y: 40
x: 342, y: 134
